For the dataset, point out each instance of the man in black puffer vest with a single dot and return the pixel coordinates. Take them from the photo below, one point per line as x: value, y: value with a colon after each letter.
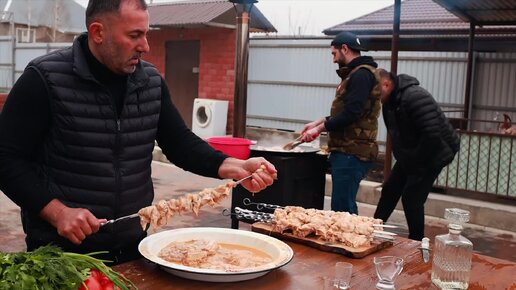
x: 423, y: 143
x: 77, y: 134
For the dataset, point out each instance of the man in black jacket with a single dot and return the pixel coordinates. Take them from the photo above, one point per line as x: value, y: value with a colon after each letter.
x: 77, y: 134
x: 423, y: 143
x: 353, y: 121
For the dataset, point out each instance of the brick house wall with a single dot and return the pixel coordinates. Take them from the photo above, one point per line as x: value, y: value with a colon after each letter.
x: 217, y: 60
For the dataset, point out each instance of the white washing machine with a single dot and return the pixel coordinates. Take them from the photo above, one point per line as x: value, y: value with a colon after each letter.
x: 209, y: 117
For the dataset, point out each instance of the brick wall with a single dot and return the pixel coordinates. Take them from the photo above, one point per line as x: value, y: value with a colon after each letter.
x: 217, y: 60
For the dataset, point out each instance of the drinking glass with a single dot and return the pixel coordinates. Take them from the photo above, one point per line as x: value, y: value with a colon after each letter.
x: 387, y: 269
x: 343, y: 271
x: 330, y: 283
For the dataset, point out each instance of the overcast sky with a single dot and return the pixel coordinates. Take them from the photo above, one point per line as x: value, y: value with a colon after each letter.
x: 308, y: 17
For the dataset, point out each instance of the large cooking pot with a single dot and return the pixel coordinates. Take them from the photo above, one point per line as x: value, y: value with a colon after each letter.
x: 301, y: 180
x: 259, y: 149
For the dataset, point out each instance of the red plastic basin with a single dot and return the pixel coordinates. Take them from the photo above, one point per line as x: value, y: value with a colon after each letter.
x: 235, y: 147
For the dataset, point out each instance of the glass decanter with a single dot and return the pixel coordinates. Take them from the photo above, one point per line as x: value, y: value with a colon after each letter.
x: 451, y: 266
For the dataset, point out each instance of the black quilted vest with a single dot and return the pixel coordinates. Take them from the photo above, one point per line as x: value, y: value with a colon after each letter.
x: 91, y: 158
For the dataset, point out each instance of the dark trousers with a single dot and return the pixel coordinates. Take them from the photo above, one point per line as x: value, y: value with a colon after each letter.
x: 412, y: 186
x: 346, y: 173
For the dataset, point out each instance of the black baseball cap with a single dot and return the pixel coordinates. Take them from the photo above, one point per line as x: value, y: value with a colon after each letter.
x: 349, y: 39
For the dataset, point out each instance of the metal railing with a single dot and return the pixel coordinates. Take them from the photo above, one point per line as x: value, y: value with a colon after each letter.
x: 484, y: 166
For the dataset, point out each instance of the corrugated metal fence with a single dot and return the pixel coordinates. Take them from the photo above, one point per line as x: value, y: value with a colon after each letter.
x: 6, y: 63
x: 14, y: 57
x: 292, y: 81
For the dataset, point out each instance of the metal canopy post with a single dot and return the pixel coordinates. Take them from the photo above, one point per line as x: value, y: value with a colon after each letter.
x: 387, y: 165
x: 242, y: 56
x: 469, y: 71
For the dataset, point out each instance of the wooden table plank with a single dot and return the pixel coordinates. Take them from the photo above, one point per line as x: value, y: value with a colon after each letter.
x: 309, y: 265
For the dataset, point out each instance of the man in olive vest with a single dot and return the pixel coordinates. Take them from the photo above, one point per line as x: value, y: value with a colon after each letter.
x: 353, y: 121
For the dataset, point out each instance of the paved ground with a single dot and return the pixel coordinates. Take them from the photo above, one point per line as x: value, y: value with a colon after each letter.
x: 171, y: 182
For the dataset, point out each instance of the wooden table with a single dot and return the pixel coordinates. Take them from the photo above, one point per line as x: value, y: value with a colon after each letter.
x: 309, y: 265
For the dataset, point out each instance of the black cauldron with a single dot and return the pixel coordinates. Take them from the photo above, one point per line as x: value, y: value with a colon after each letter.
x: 301, y: 181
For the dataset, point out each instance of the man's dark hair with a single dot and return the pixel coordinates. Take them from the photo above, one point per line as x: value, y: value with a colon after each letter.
x: 96, y: 7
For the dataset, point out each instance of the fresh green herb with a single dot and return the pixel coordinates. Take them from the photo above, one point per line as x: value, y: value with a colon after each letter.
x: 50, y: 268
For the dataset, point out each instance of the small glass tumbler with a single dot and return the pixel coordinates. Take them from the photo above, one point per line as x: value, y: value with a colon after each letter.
x: 387, y: 269
x: 330, y: 283
x: 343, y: 272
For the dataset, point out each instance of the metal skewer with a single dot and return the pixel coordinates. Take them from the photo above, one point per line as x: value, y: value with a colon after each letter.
x: 384, y: 233
x: 386, y: 226
x: 235, y: 183
x: 382, y: 237
x: 260, y: 205
x: 257, y: 216
x: 265, y: 217
x: 242, y: 180
x: 120, y: 218
x: 134, y: 215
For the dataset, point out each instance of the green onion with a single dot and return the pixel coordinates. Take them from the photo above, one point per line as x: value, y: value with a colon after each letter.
x: 49, y: 267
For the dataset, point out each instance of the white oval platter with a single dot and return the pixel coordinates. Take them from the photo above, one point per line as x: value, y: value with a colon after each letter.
x: 278, y: 250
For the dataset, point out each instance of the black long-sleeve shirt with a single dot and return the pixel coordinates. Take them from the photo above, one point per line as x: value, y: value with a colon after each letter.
x: 359, y: 89
x: 27, y: 117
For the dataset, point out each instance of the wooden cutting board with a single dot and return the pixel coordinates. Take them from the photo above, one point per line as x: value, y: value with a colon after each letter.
x: 326, y: 246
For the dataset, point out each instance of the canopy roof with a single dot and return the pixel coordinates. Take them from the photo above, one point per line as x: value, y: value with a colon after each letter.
x: 426, y: 25
x: 482, y: 12
x: 202, y: 13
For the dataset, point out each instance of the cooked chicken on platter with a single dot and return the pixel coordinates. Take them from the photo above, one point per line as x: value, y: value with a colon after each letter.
x: 337, y: 227
x: 206, y: 254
